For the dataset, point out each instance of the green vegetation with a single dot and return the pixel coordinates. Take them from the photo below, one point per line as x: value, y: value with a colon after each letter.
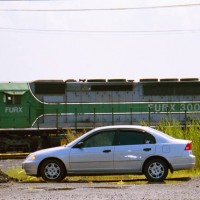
x: 71, y: 135
x: 20, y: 175
x: 190, y: 132
x: 171, y: 127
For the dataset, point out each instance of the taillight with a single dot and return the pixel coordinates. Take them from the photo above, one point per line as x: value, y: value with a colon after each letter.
x: 188, y: 146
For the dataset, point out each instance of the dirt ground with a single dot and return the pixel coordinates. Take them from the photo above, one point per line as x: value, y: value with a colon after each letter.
x: 180, y: 189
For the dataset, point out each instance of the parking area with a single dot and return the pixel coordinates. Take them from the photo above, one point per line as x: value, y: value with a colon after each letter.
x: 182, y: 188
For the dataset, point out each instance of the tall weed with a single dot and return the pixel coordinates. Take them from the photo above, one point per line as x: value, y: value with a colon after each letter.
x: 72, y: 135
x: 189, y: 132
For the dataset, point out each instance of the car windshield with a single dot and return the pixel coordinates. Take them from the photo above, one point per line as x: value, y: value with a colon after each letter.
x: 79, y: 138
x: 161, y: 133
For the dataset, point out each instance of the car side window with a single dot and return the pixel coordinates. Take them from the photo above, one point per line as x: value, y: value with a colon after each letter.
x: 132, y: 137
x: 149, y: 139
x: 104, y: 138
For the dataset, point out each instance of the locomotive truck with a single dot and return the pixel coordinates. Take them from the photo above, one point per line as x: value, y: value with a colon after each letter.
x: 37, y: 114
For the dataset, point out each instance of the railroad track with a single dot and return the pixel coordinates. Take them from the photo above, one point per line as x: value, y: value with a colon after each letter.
x: 13, y: 155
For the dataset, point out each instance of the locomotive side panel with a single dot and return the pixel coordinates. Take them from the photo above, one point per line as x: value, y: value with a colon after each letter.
x: 90, y: 104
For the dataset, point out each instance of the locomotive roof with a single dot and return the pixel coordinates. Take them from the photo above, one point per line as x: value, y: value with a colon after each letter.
x: 14, y: 86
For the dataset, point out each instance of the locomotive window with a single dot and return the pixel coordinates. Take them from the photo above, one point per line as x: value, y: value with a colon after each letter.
x: 112, y: 87
x: 12, y: 99
x: 158, y: 90
x: 50, y: 88
x: 179, y: 88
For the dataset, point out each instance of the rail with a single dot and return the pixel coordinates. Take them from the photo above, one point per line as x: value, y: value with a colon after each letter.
x: 13, y: 155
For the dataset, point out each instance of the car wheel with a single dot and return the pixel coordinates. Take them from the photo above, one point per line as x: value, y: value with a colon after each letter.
x: 156, y: 170
x: 52, y: 170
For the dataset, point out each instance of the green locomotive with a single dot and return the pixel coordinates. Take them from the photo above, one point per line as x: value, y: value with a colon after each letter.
x: 36, y: 114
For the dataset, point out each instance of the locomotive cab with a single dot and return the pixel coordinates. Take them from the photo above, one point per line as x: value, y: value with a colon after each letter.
x: 14, y: 105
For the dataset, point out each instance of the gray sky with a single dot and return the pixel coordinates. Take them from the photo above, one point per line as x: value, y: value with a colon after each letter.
x: 158, y: 42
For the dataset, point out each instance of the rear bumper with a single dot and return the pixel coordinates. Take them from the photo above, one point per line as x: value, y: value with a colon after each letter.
x: 184, y: 163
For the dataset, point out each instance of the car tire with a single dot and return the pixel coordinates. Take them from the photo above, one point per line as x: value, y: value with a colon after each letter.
x: 52, y: 170
x: 156, y: 169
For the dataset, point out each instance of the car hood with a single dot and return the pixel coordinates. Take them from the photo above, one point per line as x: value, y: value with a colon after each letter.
x: 52, y: 151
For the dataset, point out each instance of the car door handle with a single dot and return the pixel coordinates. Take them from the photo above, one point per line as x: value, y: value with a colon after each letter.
x: 147, y: 149
x: 107, y: 151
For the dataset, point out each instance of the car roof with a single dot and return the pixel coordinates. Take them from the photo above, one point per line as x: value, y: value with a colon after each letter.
x: 121, y: 127
x: 160, y: 136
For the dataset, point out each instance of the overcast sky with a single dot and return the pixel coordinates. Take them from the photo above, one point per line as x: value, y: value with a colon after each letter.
x: 105, y: 42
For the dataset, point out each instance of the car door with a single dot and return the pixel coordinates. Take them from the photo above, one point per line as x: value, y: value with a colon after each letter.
x: 93, y: 155
x: 132, y: 148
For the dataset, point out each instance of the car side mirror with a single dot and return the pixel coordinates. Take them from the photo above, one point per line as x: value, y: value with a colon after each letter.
x: 80, y: 145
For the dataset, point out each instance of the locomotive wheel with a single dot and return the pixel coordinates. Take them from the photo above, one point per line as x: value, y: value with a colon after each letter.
x: 3, y: 147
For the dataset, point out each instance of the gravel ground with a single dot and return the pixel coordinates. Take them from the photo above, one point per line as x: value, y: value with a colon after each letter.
x: 181, y: 189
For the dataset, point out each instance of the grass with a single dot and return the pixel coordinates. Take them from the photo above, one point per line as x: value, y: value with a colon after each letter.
x: 20, y: 175
x: 171, y: 127
x: 191, y: 132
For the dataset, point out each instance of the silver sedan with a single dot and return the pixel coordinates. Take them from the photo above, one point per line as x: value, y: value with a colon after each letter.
x: 113, y: 150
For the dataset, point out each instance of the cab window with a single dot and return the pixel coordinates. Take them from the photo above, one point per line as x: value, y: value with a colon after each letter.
x: 12, y: 99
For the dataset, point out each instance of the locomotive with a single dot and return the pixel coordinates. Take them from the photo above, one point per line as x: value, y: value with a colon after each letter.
x: 37, y: 114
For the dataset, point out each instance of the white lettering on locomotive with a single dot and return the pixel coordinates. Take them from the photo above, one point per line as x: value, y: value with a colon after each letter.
x: 162, y: 107
x: 190, y: 107
x: 172, y: 107
x: 13, y: 109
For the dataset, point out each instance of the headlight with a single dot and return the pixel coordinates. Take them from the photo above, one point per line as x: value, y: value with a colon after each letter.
x: 31, y: 157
